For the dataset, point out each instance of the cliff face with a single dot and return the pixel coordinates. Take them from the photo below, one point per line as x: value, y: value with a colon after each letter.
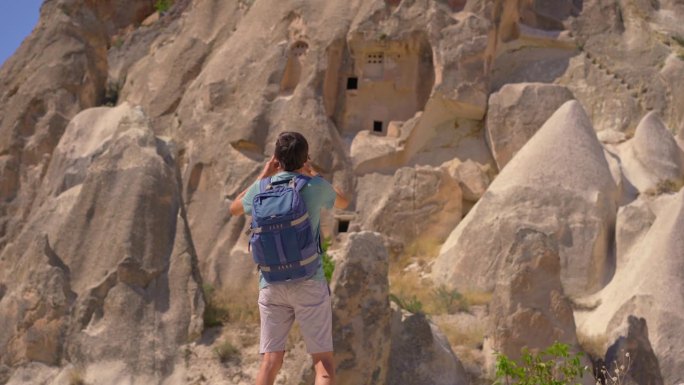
x: 124, y: 134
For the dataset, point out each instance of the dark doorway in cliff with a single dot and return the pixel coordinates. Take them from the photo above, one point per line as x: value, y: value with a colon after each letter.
x: 377, y: 126
x: 352, y: 83
x: 342, y: 226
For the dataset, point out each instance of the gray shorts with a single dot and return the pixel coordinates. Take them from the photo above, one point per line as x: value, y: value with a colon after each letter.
x: 308, y: 302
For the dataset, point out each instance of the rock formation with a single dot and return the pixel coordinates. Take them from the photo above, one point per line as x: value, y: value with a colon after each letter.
x: 126, y: 131
x: 109, y: 248
x: 652, y: 159
x: 576, y: 205
x: 419, y: 203
x: 420, y: 353
x: 534, y: 103
x: 361, y: 312
x: 529, y: 309
x: 648, y: 285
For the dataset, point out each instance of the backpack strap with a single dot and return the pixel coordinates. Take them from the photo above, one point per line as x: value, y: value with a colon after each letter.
x: 300, y: 181
x: 264, y: 184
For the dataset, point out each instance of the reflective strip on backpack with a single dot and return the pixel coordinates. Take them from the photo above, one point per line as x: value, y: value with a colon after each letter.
x: 292, y: 224
x: 301, y: 263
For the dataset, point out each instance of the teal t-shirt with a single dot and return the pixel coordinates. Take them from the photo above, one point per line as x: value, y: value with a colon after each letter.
x: 317, y: 194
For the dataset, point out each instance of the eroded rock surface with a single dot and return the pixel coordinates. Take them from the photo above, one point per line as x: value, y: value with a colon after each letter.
x: 515, y: 114
x: 576, y: 205
x: 113, y: 278
x: 530, y: 309
x: 647, y: 285
x: 361, y: 311
x: 420, y: 353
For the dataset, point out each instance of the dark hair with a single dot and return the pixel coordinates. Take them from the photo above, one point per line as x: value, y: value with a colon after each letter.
x: 291, y: 150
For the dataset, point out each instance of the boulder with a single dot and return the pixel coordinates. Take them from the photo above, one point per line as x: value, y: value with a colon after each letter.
x: 361, y: 311
x: 652, y: 159
x: 515, y: 114
x: 59, y: 70
x: 632, y: 224
x: 421, y: 202
x: 112, y: 278
x: 537, y: 190
x: 529, y: 308
x: 471, y: 176
x: 420, y: 353
x: 647, y: 285
x: 631, y: 357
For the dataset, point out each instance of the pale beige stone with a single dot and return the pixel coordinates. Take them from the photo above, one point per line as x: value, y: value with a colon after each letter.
x: 652, y: 159
x: 421, y: 202
x: 361, y: 311
x: 529, y: 308
x: 647, y: 285
x: 515, y: 114
x: 420, y: 353
x: 113, y: 271
x: 471, y: 176
x: 537, y: 190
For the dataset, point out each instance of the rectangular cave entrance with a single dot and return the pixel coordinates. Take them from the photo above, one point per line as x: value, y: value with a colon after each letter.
x: 342, y: 225
x: 377, y: 126
x: 352, y: 83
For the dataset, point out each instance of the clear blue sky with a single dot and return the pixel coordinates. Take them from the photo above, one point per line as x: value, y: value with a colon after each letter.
x: 17, y: 19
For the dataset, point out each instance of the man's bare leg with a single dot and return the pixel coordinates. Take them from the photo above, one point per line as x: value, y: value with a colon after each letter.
x: 270, y: 365
x: 325, y: 368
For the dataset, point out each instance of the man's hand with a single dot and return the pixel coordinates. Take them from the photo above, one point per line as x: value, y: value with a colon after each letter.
x: 270, y: 168
x: 308, y: 170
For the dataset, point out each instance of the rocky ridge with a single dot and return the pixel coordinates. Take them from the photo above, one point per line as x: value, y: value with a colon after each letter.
x: 530, y: 152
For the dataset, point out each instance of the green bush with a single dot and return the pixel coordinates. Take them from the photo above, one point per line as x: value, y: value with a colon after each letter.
x: 163, y: 5
x: 553, y: 366
x: 412, y: 305
x: 678, y: 39
x: 328, y: 263
x: 450, y: 301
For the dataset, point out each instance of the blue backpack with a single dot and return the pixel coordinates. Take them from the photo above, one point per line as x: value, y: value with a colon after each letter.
x: 282, y: 240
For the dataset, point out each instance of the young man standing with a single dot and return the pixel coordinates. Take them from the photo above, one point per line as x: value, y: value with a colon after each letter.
x: 306, y: 301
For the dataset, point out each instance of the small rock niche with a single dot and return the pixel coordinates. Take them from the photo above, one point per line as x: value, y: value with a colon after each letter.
x: 293, y: 68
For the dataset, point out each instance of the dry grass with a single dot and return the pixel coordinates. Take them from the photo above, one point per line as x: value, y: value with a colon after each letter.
x: 227, y: 352
x: 76, y: 377
x: 408, y: 286
x: 594, y: 345
x: 477, y: 298
x: 666, y: 187
x: 470, y: 336
x: 421, y: 250
x: 223, y: 307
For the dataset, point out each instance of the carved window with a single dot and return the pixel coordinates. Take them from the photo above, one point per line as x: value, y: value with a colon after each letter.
x: 375, y: 58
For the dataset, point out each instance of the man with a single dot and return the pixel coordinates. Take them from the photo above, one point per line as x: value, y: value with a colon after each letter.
x: 306, y: 301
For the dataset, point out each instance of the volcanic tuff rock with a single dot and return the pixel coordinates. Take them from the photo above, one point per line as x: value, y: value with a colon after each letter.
x: 516, y: 112
x: 647, y: 284
x: 576, y: 205
x: 421, y: 202
x: 59, y: 70
x: 420, y: 353
x: 652, y: 159
x: 529, y: 308
x: 361, y: 311
x: 115, y: 251
x: 389, y: 92
x: 633, y: 356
